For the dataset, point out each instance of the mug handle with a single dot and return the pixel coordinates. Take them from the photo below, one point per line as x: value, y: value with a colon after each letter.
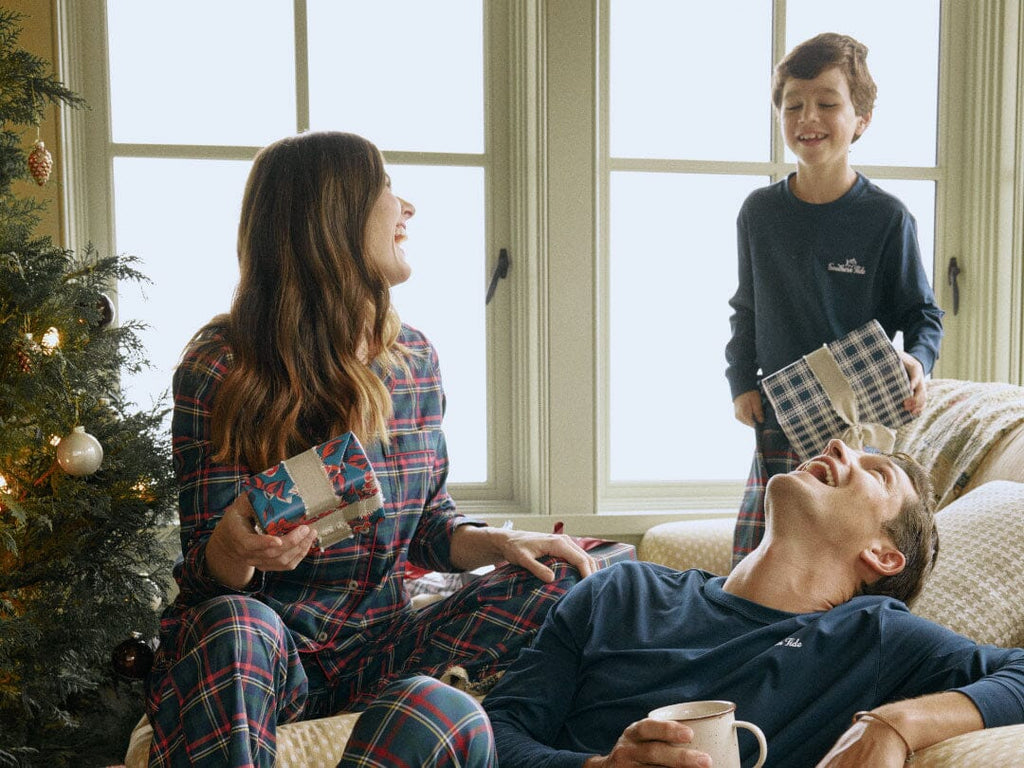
x: 757, y: 735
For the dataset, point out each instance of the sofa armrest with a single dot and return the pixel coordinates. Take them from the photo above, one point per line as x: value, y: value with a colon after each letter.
x: 704, y: 544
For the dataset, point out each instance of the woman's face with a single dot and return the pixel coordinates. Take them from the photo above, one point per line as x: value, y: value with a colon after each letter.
x: 385, y: 233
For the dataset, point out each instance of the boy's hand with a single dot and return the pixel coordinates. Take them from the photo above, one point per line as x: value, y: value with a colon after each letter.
x: 747, y: 407
x: 918, y: 387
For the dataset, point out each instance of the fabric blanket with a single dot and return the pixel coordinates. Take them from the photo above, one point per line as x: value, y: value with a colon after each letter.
x: 960, y: 422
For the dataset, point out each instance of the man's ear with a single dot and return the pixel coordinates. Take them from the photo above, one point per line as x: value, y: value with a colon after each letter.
x: 883, y: 559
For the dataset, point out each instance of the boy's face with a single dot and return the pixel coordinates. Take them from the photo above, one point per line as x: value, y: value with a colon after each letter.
x: 818, y: 119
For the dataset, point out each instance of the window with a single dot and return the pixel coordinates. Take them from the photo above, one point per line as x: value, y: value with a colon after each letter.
x: 183, y: 130
x: 607, y: 144
x: 690, y: 133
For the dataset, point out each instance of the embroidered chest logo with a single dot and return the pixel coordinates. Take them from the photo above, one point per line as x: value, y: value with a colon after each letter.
x: 849, y: 267
x: 790, y: 642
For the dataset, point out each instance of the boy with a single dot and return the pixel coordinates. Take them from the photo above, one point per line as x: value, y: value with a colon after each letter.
x: 820, y: 253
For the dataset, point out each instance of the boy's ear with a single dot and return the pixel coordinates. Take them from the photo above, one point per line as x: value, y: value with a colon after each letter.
x: 884, y: 559
x: 863, y: 122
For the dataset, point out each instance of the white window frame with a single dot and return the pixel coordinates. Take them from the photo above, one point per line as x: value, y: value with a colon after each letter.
x: 556, y: 419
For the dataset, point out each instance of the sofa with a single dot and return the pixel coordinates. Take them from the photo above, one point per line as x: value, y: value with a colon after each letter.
x: 971, y: 436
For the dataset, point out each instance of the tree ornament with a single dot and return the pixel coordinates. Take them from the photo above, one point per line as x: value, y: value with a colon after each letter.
x: 40, y: 163
x: 25, y: 351
x: 79, y: 453
x: 132, y: 658
x: 107, y: 310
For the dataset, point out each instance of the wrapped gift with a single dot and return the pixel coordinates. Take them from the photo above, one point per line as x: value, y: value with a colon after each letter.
x: 331, y: 487
x: 852, y: 389
x: 603, y: 551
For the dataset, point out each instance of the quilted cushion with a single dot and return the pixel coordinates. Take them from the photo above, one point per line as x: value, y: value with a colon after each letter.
x: 307, y: 744
x: 991, y: 748
x: 704, y: 544
x: 978, y: 580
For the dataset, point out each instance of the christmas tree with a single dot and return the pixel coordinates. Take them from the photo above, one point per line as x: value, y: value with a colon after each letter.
x: 85, y: 481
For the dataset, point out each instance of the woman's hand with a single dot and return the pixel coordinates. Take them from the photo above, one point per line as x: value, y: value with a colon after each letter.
x: 235, y: 550
x: 473, y: 546
x: 652, y: 742
x: 747, y: 408
x: 866, y: 742
x: 918, y: 387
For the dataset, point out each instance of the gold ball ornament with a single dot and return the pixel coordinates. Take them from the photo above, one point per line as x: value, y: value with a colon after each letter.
x: 79, y: 453
x: 40, y: 163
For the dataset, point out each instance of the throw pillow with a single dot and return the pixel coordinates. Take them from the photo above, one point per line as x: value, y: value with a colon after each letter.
x: 979, y: 577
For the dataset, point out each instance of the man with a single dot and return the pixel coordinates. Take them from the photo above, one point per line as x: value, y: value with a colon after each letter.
x: 809, y: 629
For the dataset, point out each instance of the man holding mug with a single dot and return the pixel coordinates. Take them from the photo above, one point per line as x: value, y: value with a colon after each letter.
x: 808, y: 633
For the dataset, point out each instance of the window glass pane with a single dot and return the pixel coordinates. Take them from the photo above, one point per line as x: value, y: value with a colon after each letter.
x: 181, y: 218
x: 672, y: 273
x: 690, y: 80
x: 196, y: 72
x: 903, y: 55
x: 444, y: 298
x: 407, y: 75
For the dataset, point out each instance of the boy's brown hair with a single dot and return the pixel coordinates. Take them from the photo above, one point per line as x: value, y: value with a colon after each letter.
x: 829, y: 49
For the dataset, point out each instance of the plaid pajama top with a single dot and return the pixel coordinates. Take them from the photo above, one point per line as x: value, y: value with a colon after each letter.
x: 338, y: 597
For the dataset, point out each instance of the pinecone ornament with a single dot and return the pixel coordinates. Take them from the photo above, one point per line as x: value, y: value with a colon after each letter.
x: 40, y: 163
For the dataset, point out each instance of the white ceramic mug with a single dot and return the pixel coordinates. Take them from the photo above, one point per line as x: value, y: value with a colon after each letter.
x: 714, y: 730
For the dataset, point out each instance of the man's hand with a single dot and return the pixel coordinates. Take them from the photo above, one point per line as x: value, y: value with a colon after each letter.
x: 747, y: 408
x: 473, y: 546
x: 867, y: 742
x: 235, y: 551
x: 918, y: 387
x: 652, y: 743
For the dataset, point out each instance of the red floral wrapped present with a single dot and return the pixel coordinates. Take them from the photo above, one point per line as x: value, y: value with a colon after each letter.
x: 331, y: 487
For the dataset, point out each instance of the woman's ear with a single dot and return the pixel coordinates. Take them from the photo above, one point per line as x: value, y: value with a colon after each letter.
x: 883, y: 559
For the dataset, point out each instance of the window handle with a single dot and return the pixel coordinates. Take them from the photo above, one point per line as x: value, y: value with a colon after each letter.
x: 500, y: 271
x: 952, y: 272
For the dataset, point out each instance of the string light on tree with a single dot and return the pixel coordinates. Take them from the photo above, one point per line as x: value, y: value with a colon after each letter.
x: 79, y: 453
x: 50, y: 340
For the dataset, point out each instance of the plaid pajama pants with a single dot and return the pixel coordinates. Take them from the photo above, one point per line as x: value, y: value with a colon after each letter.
x: 238, y: 674
x: 773, y: 455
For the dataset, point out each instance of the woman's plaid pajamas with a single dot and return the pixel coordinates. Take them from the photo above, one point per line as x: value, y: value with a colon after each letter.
x: 336, y: 631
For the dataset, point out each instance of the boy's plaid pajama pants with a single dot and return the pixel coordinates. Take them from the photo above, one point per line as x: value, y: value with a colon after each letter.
x: 239, y: 674
x: 773, y: 455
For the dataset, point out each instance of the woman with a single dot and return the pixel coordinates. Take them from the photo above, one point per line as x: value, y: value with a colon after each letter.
x: 268, y: 629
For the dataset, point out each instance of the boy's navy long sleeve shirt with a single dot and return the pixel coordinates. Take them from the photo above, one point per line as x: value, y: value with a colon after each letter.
x: 809, y: 274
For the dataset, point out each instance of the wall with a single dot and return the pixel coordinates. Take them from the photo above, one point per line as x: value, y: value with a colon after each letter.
x: 38, y: 37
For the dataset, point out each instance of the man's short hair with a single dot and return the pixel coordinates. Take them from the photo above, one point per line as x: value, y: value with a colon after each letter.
x: 914, y: 533
x: 829, y: 49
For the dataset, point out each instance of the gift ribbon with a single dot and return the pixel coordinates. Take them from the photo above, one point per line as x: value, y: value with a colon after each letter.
x: 828, y: 373
x: 311, y: 482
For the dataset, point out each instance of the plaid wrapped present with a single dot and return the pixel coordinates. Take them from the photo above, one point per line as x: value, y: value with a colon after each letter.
x: 852, y: 388
x: 331, y: 487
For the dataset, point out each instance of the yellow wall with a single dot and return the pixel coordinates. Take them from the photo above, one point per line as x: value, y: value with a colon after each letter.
x: 38, y: 38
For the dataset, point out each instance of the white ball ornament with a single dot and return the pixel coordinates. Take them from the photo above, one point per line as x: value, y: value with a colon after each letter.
x: 79, y: 453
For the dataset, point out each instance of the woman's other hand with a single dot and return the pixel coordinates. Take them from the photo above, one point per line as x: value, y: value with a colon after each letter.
x: 473, y: 546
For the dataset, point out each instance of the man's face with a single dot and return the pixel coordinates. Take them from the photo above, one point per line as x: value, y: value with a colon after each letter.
x: 853, y: 491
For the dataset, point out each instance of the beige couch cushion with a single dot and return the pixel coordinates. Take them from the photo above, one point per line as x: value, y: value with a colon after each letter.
x: 308, y: 744
x: 979, y: 578
x: 991, y: 748
x: 704, y: 544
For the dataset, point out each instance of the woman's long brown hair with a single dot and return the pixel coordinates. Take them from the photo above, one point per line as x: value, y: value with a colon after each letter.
x: 309, y: 310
